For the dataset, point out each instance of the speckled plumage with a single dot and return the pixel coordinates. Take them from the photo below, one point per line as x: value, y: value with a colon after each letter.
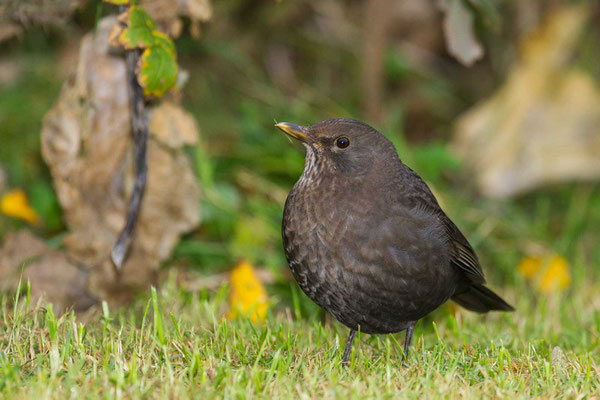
x: 366, y: 239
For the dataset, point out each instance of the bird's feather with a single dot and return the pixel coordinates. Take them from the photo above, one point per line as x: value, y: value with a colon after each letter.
x: 463, y: 257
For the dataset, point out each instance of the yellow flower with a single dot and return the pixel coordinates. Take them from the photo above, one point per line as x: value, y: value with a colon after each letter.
x: 549, y: 274
x: 248, y: 296
x: 14, y: 204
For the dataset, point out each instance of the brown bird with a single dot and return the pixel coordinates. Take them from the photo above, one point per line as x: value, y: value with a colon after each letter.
x: 366, y: 239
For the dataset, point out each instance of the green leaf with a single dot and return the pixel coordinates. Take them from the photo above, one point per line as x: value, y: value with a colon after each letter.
x: 140, y: 31
x: 163, y: 40
x: 158, y: 70
x: 157, y: 67
x: 117, y: 2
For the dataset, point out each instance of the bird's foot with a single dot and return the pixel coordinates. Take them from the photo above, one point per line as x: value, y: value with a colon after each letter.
x: 348, y: 350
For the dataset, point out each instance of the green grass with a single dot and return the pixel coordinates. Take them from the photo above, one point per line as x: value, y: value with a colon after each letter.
x: 177, y: 344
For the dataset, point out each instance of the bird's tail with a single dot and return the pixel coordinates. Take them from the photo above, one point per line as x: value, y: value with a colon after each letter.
x: 480, y: 299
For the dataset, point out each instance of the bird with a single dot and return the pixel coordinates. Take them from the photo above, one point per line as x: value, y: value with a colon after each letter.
x: 366, y: 239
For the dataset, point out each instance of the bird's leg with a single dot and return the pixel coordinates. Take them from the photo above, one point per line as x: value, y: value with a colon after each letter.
x: 409, y: 333
x: 348, y: 348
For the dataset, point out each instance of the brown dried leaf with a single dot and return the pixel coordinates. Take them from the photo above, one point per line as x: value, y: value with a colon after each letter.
x: 167, y: 12
x: 461, y: 41
x: 117, y: 30
x: 42, y: 12
x: 543, y: 124
x: 9, y: 30
x: 87, y: 144
x: 173, y: 126
x: 51, y: 274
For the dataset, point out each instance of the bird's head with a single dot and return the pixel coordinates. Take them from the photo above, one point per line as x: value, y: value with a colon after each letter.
x: 343, y: 145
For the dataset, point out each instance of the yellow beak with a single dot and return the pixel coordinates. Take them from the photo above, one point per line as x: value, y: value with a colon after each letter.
x: 295, y: 131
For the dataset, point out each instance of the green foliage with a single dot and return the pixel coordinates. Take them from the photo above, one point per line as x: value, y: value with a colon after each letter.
x: 44, y: 201
x: 157, y: 67
x: 140, y: 29
x: 488, y: 12
x: 23, y: 103
x: 433, y: 160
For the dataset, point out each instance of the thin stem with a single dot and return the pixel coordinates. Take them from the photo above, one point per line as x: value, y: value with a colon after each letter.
x: 139, y: 122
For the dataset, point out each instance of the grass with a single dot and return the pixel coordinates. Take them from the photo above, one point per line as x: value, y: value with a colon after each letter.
x: 177, y: 344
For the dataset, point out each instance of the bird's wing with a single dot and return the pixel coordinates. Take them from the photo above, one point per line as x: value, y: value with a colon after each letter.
x: 463, y: 257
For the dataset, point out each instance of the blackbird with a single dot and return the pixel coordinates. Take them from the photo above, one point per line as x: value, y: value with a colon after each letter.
x: 366, y: 239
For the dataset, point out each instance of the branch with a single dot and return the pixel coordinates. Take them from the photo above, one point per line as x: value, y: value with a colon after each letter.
x: 139, y: 122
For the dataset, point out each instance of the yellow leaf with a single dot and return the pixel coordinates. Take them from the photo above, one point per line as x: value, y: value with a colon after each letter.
x: 248, y: 296
x: 529, y: 266
x: 14, y: 204
x: 556, y: 276
x: 549, y: 274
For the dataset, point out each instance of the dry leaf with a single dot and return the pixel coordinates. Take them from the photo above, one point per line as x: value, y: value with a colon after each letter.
x: 9, y: 30
x: 51, y: 273
x: 168, y: 13
x: 173, y: 126
x: 40, y: 12
x: 88, y: 146
x: 543, y: 125
x: 248, y: 296
x: 461, y: 41
x: 14, y: 203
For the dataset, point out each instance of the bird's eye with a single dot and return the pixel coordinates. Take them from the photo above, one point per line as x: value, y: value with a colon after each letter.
x: 342, y: 142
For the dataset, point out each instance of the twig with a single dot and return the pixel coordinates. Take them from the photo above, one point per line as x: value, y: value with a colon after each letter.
x: 139, y: 122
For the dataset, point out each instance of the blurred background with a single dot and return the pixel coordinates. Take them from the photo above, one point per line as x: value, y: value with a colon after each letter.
x: 495, y: 103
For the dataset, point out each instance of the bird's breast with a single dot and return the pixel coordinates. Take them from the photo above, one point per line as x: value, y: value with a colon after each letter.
x: 368, y: 261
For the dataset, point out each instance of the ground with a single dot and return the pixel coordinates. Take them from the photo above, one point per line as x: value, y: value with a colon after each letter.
x: 178, y: 344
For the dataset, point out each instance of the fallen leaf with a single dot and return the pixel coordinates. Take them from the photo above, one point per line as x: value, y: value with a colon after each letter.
x: 169, y: 13
x: 549, y: 274
x: 556, y: 276
x: 461, y: 41
x: 10, y: 30
x: 248, y: 296
x: 88, y: 148
x: 173, y: 126
x: 15, y: 204
x: 528, y: 266
x: 541, y: 126
x: 51, y: 273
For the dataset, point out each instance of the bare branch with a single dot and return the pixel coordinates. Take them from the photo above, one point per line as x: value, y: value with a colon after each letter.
x: 139, y: 122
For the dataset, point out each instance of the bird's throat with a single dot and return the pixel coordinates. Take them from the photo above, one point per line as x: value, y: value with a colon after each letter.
x: 313, y: 165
